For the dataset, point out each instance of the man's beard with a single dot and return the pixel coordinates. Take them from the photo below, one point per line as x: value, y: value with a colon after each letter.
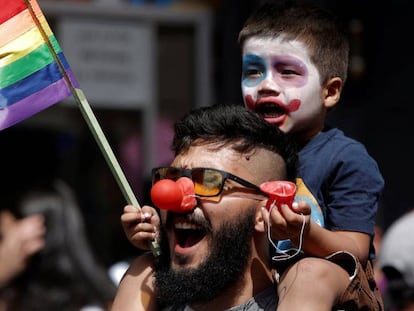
x: 228, y: 257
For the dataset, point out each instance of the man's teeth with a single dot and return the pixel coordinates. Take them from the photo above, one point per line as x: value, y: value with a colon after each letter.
x: 185, y: 225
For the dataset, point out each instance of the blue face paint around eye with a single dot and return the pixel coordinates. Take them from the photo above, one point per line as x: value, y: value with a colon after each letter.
x: 253, y: 70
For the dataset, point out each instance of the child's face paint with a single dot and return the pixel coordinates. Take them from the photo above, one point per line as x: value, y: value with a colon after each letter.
x: 280, y: 82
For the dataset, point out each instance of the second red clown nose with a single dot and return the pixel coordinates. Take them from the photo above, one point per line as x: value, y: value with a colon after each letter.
x: 177, y: 196
x: 279, y: 191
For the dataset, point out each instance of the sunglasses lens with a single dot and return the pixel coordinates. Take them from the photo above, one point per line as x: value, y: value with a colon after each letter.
x: 207, y: 182
x: 166, y: 173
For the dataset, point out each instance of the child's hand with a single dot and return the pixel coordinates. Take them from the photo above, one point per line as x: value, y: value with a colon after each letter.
x: 140, y: 225
x: 286, y: 222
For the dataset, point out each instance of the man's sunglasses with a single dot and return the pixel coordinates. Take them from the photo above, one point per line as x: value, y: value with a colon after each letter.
x: 208, y: 182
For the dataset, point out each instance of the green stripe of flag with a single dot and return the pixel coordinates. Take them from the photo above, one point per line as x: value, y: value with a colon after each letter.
x: 28, y: 64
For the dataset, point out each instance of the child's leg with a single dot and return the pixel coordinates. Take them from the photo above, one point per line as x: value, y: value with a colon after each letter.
x: 136, y: 290
x: 312, y: 284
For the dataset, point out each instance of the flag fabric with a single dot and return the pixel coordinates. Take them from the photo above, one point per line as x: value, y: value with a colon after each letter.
x: 34, y: 73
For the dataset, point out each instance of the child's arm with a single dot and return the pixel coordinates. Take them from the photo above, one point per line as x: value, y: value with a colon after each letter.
x: 136, y: 290
x: 140, y: 225
x: 322, y: 242
x: 287, y: 222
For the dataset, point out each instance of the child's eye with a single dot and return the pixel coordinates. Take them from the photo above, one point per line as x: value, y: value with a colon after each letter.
x: 288, y: 72
x: 252, y: 73
x: 253, y: 67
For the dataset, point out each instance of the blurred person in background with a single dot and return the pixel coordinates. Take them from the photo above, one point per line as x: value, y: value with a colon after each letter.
x: 19, y: 240
x: 396, y: 260
x: 64, y: 274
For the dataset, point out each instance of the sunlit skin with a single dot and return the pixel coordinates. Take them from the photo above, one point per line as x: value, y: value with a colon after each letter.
x: 280, y: 82
x: 218, y: 213
x: 235, y: 200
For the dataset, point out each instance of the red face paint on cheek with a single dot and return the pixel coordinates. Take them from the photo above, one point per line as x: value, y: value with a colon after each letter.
x: 250, y: 103
x: 293, y: 105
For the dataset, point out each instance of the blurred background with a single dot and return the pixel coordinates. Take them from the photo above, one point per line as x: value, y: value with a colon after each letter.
x: 143, y: 64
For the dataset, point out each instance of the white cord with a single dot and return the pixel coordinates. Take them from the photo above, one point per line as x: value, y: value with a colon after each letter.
x: 283, y: 254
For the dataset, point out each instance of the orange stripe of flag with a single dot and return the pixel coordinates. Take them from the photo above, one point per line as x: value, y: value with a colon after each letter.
x: 19, y: 24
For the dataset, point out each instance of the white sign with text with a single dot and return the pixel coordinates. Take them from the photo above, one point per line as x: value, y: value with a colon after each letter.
x: 113, y: 60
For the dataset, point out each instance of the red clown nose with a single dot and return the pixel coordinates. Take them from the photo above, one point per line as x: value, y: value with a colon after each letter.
x: 177, y: 196
x: 280, y: 192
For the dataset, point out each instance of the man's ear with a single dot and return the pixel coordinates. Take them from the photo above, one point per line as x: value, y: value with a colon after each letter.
x: 331, y: 92
x: 260, y: 223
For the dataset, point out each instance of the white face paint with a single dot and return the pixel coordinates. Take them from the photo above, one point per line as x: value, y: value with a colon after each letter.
x: 280, y: 82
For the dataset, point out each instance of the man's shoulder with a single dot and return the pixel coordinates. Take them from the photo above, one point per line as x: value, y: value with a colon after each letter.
x: 264, y: 301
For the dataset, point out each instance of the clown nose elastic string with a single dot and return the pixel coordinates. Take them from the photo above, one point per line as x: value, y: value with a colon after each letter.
x: 177, y: 196
x: 281, y: 192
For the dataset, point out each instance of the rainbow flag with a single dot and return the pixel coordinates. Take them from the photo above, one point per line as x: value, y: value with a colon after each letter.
x: 34, y: 73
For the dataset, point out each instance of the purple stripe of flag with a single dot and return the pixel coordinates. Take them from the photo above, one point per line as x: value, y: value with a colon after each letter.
x: 34, y: 103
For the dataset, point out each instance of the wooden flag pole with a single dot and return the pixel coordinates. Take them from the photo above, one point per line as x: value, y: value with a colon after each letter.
x: 95, y: 128
x: 90, y: 119
x: 103, y: 144
x: 100, y: 138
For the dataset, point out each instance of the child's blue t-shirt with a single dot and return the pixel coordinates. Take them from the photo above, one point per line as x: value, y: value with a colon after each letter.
x: 341, y: 182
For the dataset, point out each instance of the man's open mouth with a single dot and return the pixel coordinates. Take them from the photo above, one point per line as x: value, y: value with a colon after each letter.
x: 188, y: 234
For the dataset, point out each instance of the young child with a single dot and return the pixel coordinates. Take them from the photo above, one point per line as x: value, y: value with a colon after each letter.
x: 295, y: 60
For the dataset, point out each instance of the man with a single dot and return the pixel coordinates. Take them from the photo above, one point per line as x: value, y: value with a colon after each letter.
x: 216, y: 256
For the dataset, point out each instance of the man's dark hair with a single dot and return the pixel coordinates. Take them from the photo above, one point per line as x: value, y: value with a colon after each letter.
x: 234, y: 126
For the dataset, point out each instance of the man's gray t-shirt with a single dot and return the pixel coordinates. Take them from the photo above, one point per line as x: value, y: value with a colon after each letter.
x: 263, y: 301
